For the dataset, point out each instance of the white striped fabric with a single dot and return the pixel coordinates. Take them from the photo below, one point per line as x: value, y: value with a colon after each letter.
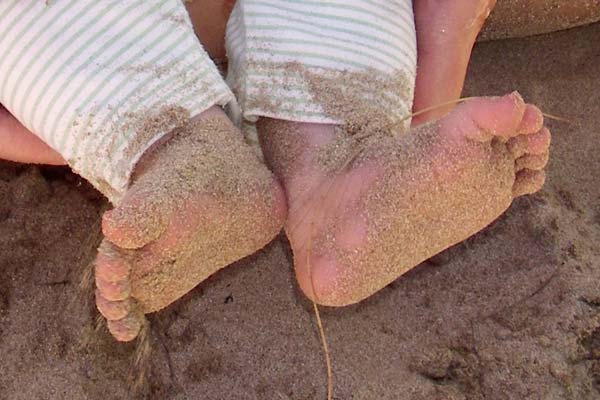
x: 266, y: 37
x: 100, y: 81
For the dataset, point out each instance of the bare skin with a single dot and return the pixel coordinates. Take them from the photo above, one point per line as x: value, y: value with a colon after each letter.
x: 209, y: 18
x: 446, y: 33
x: 135, y: 255
x: 18, y: 144
x: 356, y: 228
x: 170, y: 232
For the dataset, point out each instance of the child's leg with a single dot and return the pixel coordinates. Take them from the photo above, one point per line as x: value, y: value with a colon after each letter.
x: 126, y: 94
x: 18, y: 144
x: 331, y: 84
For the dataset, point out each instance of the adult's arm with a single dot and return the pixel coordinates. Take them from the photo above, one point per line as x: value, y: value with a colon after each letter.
x: 18, y: 144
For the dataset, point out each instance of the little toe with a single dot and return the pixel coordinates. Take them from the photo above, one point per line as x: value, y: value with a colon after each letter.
x: 112, y: 310
x: 528, y: 182
x: 533, y: 162
x: 532, y: 122
x: 126, y: 329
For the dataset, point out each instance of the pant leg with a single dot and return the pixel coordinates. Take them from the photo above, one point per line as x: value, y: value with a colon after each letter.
x: 322, y: 60
x: 100, y: 81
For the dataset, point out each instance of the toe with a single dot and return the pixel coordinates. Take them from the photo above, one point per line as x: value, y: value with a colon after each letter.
x: 532, y: 122
x: 496, y: 116
x: 126, y: 329
x: 113, y: 291
x: 110, y: 265
x: 111, y: 271
x: 137, y: 221
x: 112, y: 310
x: 528, y: 182
x: 537, y: 143
x: 532, y: 161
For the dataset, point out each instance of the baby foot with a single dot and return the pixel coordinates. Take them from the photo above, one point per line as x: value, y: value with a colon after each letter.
x: 198, y: 203
x: 362, y: 211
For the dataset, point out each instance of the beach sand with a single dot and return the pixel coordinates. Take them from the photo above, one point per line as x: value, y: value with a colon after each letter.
x: 512, y: 313
x: 518, y: 18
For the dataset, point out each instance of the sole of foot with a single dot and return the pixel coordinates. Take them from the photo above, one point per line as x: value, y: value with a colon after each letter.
x: 363, y: 211
x: 198, y: 202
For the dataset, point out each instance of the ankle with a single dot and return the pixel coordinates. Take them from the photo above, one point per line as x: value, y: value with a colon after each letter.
x: 290, y: 147
x: 147, y: 158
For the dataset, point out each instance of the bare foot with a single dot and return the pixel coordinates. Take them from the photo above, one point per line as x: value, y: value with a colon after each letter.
x: 363, y: 211
x: 199, y: 202
x: 446, y: 32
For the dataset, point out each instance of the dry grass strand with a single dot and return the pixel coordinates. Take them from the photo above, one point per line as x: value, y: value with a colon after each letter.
x: 320, y: 327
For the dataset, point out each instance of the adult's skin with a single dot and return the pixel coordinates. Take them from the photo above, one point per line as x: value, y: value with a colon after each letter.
x: 18, y: 144
x: 446, y: 32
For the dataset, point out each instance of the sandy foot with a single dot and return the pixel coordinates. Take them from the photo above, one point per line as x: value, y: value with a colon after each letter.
x: 198, y: 203
x: 363, y: 211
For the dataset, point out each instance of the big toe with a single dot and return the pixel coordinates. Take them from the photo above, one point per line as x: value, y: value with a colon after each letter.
x: 483, y: 118
x: 138, y: 220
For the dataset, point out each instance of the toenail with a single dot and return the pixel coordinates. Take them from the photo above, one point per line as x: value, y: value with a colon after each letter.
x: 517, y: 96
x: 123, y: 333
x: 108, y: 250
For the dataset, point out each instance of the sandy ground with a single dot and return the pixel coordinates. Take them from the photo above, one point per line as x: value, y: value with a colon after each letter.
x: 513, y: 313
x: 518, y: 18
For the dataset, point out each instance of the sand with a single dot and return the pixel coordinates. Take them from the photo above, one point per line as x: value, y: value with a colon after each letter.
x: 513, y: 313
x: 517, y: 18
